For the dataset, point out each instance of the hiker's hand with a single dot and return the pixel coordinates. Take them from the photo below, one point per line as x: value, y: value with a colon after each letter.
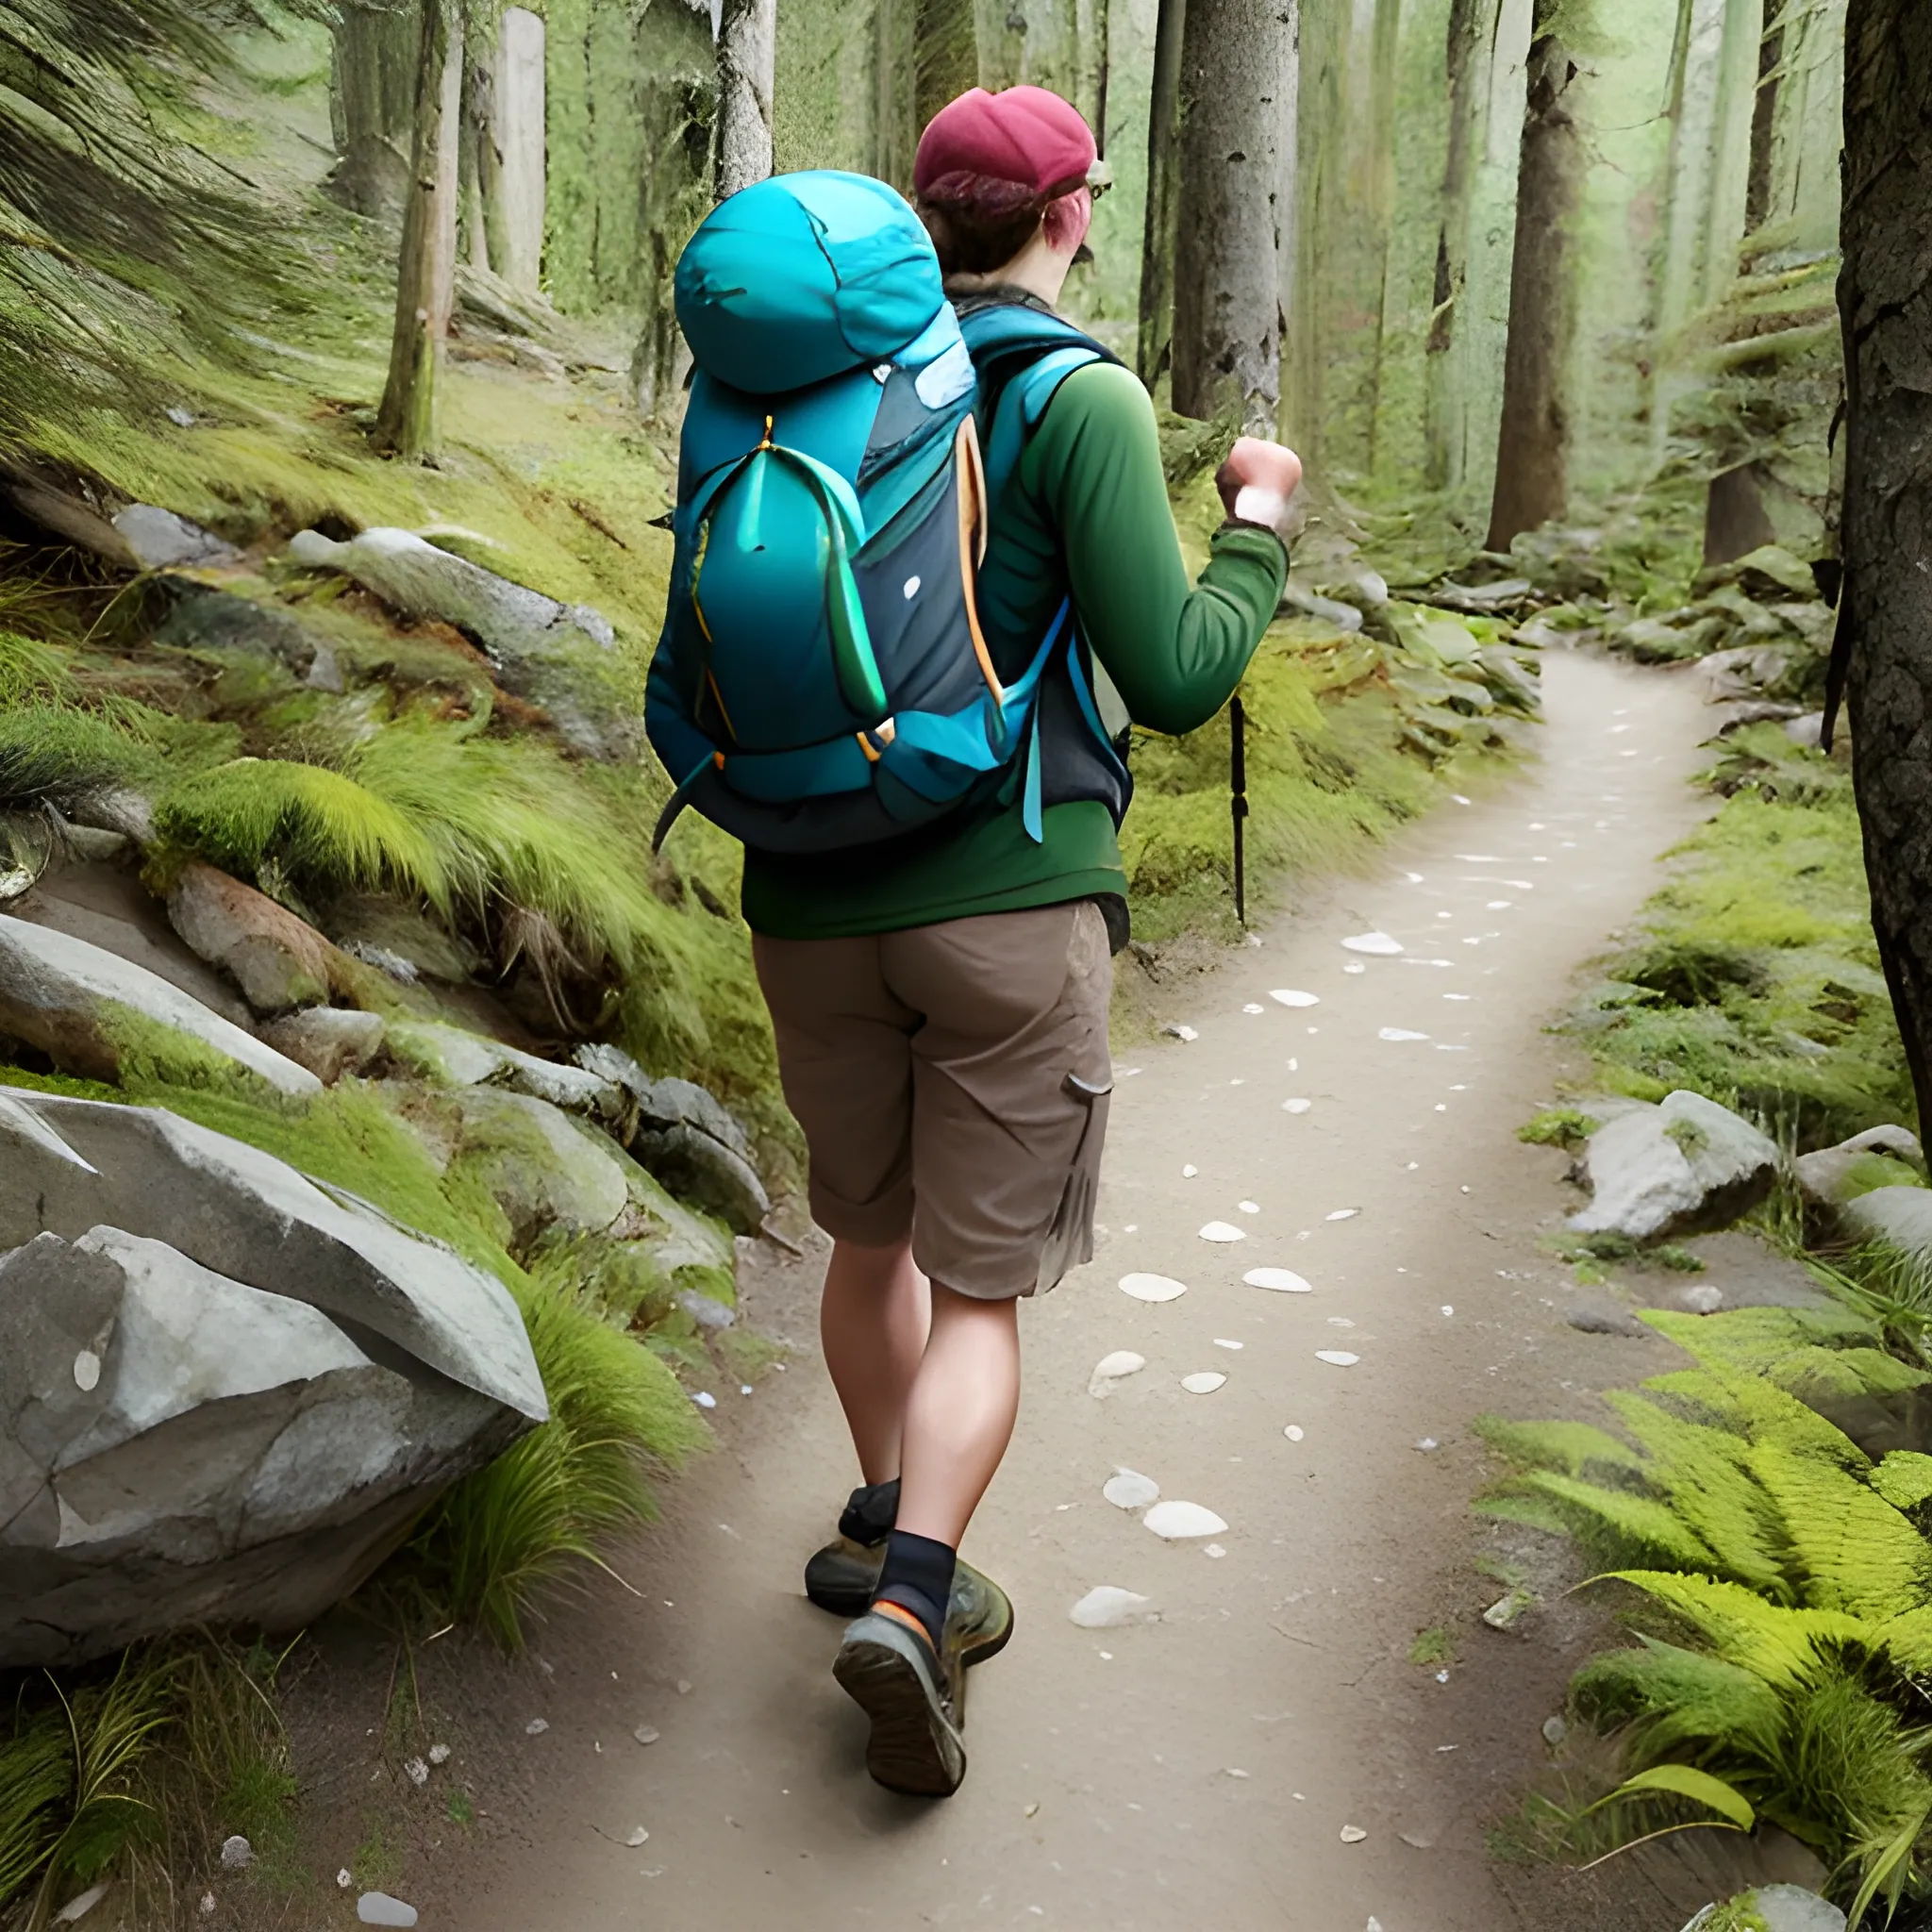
x: 1257, y: 480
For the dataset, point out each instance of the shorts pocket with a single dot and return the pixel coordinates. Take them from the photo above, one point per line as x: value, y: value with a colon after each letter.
x: 1069, y: 1237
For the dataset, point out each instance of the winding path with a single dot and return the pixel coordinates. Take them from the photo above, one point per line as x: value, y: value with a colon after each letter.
x: 1204, y: 1770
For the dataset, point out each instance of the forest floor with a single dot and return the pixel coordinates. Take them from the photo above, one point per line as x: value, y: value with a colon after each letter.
x: 1318, y: 1732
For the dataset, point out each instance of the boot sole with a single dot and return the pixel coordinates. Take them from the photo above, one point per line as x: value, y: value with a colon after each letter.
x: 913, y: 1750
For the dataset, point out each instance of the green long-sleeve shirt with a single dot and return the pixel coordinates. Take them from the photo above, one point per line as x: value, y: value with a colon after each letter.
x: 1085, y: 514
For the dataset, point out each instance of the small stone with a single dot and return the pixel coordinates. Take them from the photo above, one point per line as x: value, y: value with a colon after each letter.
x: 647, y: 1734
x: 207, y: 1905
x: 702, y: 1399
x: 1337, y: 1357
x: 1343, y: 1214
x: 536, y: 1727
x: 1353, y: 1834
x: 1427, y: 1444
x: 1354, y: 966
x: 1296, y: 1105
x: 1177, y: 1522
x: 1378, y: 944
x: 417, y: 1772
x: 1032, y: 1810
x: 87, y: 1372
x: 1204, y: 1382
x: 1702, y: 1299
x: 1107, y: 1607
x: 1249, y: 1206
x: 1189, y: 1172
x: 637, y: 1835
x: 1152, y: 1288
x: 378, y: 1908
x: 1289, y: 996
x: 1178, y: 1032
x: 1214, y: 1550
x: 1555, y: 1730
x: 1113, y: 1368
x: 439, y: 1754
x: 1282, y: 1280
x: 236, y: 1853
x: 345, y: 1878
x: 1400, y: 1033
x: 1127, y: 1489
x: 1223, y: 1342
x: 1223, y: 1232
x: 1253, y: 1008
x: 1294, y: 1432
x: 1504, y: 1612
x: 684, y: 1687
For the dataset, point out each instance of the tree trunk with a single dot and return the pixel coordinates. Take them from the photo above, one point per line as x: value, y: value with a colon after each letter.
x: 1385, y: 47
x: 510, y: 150
x: 425, y: 281
x: 1771, y: 54
x: 1235, y: 66
x: 1885, y: 299
x: 747, y: 52
x: 1533, y: 446
x: 1730, y: 146
x: 1472, y: 31
x: 1163, y: 193
x: 372, y: 103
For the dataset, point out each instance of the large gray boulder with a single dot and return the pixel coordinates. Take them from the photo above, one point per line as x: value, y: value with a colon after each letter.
x: 687, y: 1138
x: 232, y: 1424
x: 88, y: 1011
x: 1899, y: 1217
x: 1686, y: 1166
x: 69, y: 1165
x: 558, y: 655
x: 1879, y: 1156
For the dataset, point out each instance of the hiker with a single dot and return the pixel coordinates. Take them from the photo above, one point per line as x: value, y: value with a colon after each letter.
x: 933, y: 879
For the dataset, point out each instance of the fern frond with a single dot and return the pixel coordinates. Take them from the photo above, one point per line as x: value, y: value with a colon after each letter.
x: 1760, y: 1411
x: 1780, y: 1646
x: 1854, y: 1551
x: 1758, y: 1339
x: 1614, y: 1521
x: 1673, y: 1702
x: 1703, y: 1475
x: 1568, y: 1446
x: 1904, y: 1479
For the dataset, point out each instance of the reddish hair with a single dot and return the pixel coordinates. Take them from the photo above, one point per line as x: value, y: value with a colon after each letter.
x: 979, y: 224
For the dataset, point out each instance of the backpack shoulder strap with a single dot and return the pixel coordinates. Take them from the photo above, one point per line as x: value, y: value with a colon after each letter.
x: 1022, y: 354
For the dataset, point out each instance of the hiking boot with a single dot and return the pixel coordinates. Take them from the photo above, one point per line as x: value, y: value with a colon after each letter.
x: 844, y: 1578
x: 914, y: 1699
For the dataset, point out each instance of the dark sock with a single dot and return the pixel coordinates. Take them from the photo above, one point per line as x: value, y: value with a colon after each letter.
x: 917, y: 1576
x: 869, y: 1516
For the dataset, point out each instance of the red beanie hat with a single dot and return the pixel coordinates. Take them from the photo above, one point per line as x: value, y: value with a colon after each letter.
x: 1027, y: 138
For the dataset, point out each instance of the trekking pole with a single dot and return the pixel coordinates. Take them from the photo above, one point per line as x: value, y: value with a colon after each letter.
x: 1238, y: 776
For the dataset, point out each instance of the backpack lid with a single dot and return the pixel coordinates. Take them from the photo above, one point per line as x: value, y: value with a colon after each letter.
x: 802, y: 276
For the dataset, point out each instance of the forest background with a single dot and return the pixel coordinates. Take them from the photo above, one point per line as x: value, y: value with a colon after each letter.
x: 1550, y: 295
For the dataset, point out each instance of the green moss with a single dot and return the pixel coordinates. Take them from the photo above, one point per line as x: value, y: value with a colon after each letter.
x: 1432, y: 1649
x: 1561, y: 1126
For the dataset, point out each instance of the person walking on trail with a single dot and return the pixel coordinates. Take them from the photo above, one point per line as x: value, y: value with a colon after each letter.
x: 915, y: 716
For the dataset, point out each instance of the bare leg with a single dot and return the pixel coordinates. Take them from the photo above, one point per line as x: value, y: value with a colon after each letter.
x: 873, y: 1321
x: 959, y: 1416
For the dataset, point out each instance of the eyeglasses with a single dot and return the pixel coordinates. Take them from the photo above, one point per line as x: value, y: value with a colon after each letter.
x: 1099, y: 178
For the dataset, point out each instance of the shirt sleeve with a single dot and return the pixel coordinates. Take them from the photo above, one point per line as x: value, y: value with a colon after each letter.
x: 1175, y: 651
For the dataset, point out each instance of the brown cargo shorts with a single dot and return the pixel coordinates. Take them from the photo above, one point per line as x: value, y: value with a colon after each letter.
x: 952, y: 1082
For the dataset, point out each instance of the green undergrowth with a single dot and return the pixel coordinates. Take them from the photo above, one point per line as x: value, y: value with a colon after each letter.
x: 1753, y: 978
x: 1778, y: 1578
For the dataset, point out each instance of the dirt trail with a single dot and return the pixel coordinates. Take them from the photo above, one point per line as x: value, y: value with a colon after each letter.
x: 1198, y: 1771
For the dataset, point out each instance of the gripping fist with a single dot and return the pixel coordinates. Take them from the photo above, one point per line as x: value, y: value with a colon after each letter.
x: 1257, y: 480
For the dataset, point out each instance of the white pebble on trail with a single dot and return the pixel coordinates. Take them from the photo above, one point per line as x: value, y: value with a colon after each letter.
x: 1379, y: 945
x: 1153, y: 1287
x: 1287, y: 997
x: 1112, y: 1368
x: 1127, y: 1489
x: 1177, y: 1522
x: 1222, y: 1231
x: 1337, y: 1357
x: 1282, y: 1279
x: 1400, y: 1033
x: 1343, y: 1214
x: 1107, y: 1607
x: 1296, y: 1105
x: 1204, y: 1382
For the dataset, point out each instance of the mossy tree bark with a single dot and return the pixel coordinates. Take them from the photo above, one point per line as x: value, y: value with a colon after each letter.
x: 1470, y: 39
x: 371, y: 104
x: 929, y: 54
x: 1761, y: 182
x: 747, y: 59
x: 506, y: 101
x: 1885, y: 298
x: 1237, y: 63
x: 1533, y: 446
x: 426, y: 280
x: 1163, y: 193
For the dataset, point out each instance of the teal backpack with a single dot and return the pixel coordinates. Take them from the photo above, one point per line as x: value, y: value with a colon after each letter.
x: 822, y: 680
